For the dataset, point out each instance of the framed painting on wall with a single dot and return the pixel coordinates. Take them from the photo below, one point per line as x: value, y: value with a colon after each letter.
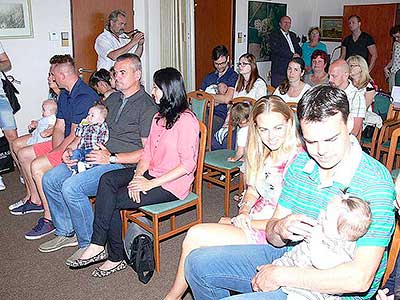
x: 331, y: 28
x: 263, y: 18
x: 15, y: 19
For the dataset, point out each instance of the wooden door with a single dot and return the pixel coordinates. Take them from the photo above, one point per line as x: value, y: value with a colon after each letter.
x: 214, y: 25
x: 376, y: 19
x: 88, y: 19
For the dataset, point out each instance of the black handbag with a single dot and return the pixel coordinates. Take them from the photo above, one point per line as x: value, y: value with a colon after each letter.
x: 6, y: 161
x: 11, y: 93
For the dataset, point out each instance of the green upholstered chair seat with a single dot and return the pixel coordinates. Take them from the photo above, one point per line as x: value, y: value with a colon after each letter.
x: 395, y: 173
x: 162, y: 207
x: 387, y: 144
x: 365, y: 140
x: 218, y: 158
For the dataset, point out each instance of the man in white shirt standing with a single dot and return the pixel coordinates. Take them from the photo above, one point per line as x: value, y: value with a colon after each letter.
x: 7, y: 120
x: 113, y: 41
x: 284, y: 46
x: 339, y: 72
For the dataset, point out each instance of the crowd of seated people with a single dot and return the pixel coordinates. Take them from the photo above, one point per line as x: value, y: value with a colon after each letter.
x: 138, y: 149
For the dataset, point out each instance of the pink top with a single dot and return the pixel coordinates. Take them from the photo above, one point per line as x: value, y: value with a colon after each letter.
x: 168, y: 149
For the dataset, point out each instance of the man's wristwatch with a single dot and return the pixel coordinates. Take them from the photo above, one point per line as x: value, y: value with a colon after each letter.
x: 113, y: 158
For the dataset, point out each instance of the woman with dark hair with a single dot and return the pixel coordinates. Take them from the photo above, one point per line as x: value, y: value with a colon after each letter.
x: 394, y: 65
x: 319, y: 61
x: 249, y: 83
x: 314, y: 37
x: 294, y: 87
x: 100, y: 81
x: 164, y: 173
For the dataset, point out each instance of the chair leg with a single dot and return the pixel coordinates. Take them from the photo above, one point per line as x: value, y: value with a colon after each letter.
x: 124, y: 220
x: 227, y: 193
x: 156, y: 243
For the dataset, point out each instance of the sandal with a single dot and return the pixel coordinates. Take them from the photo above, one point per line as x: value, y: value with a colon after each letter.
x: 104, y: 273
x: 82, y: 263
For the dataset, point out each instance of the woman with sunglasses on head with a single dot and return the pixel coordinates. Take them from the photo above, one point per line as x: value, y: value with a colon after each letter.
x: 294, y: 87
x: 272, y: 145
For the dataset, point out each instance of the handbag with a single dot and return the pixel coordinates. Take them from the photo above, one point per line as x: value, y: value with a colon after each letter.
x: 11, y: 93
x: 6, y: 160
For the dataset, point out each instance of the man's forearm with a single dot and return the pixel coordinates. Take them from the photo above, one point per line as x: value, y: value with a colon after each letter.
x: 129, y: 157
x: 65, y: 143
x: 372, y: 62
x: 139, y: 50
x: 117, y: 52
x: 57, y: 138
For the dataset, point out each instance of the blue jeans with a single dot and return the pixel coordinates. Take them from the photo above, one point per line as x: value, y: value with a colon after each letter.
x: 7, y: 120
x: 393, y: 282
x: 79, y: 155
x: 212, y: 272
x: 68, y: 198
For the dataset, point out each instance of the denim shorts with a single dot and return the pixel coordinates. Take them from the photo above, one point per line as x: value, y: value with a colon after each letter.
x: 7, y: 120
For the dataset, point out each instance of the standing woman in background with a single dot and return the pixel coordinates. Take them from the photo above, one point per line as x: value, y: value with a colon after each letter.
x: 314, y: 37
x: 394, y: 65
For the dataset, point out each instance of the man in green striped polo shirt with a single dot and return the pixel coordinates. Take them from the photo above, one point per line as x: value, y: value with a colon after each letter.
x: 333, y: 163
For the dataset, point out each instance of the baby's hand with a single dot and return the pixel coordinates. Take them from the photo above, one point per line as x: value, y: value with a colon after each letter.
x: 222, y: 88
x: 33, y: 125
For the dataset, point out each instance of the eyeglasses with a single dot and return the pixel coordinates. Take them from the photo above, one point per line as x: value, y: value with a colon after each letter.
x: 243, y: 64
x: 220, y: 64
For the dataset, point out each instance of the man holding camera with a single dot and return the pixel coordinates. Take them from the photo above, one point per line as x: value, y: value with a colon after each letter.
x: 113, y: 41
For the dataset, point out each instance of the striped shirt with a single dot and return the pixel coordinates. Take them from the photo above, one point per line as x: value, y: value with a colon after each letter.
x: 364, y: 177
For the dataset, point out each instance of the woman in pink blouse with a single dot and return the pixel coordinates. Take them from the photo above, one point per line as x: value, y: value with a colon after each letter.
x: 164, y: 173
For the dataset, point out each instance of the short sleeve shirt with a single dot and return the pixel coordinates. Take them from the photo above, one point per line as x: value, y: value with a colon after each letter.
x: 356, y: 101
x: 308, y: 51
x: 73, y: 106
x: 229, y: 78
x: 259, y: 90
x: 128, y: 126
x: 364, y: 177
x: 359, y: 47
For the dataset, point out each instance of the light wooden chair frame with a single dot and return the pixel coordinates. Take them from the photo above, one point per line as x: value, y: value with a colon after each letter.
x: 173, y: 212
x: 212, y: 172
x: 207, y: 111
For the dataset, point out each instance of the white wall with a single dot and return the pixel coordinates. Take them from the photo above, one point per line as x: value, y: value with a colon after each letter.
x: 30, y: 57
x: 304, y: 14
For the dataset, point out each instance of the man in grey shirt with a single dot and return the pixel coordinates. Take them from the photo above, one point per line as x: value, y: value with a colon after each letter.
x: 130, y: 113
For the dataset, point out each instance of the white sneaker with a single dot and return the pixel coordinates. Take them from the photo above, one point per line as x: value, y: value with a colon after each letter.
x: 21, y: 179
x: 16, y: 205
x: 2, y: 185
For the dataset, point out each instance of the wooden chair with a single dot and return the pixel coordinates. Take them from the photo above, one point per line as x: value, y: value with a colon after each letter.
x: 292, y: 105
x: 383, y: 135
x: 216, y: 164
x: 397, y: 78
x: 270, y: 89
x: 202, y: 105
x: 393, y: 252
x: 157, y: 212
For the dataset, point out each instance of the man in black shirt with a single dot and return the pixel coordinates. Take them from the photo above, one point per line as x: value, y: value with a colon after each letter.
x: 359, y: 43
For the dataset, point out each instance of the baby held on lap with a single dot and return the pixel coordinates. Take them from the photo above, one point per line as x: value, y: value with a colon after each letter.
x: 42, y: 130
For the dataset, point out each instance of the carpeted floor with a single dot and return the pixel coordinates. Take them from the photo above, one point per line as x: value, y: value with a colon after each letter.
x: 30, y: 274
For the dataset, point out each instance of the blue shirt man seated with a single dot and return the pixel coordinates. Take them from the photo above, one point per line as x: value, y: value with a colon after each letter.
x: 333, y: 163
x: 221, y: 84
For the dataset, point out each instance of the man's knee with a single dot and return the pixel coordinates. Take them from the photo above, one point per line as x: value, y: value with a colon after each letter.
x: 192, y: 237
x: 39, y: 167
x: 11, y: 135
x: 26, y: 154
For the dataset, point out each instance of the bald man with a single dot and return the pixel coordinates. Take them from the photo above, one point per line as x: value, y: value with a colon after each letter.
x: 339, y: 72
x: 73, y: 105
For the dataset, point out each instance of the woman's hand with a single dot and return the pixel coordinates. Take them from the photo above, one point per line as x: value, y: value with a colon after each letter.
x: 383, y: 295
x: 242, y: 221
x: 225, y: 220
x: 139, y: 184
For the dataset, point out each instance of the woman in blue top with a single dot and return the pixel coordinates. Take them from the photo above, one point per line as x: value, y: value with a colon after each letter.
x: 314, y: 36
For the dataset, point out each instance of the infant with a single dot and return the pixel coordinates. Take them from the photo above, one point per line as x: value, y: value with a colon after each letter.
x: 42, y: 130
x: 332, y: 241
x: 92, y: 131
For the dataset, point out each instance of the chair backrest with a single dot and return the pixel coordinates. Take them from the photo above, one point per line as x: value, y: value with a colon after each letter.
x: 202, y: 105
x: 270, y: 89
x: 292, y: 105
x: 382, y: 103
x: 392, y: 149
x: 230, y: 125
x: 198, y: 177
x: 397, y: 78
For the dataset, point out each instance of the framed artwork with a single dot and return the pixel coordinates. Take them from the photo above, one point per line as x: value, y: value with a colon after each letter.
x: 15, y: 19
x: 263, y: 18
x: 331, y: 28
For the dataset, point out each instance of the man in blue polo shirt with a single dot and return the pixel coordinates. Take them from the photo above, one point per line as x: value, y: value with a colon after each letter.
x: 333, y: 164
x: 221, y: 84
x: 73, y: 105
